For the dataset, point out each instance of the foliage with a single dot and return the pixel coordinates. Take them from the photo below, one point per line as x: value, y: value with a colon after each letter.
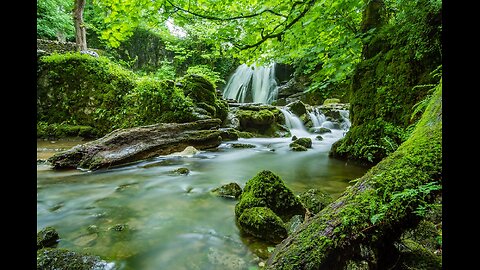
x: 54, y: 20
x: 206, y: 72
x: 78, y: 95
x: 417, y: 26
x: 78, y: 89
x: 153, y: 101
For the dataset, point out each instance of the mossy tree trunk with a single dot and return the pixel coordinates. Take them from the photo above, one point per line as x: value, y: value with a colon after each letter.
x: 362, y: 224
x: 80, y: 29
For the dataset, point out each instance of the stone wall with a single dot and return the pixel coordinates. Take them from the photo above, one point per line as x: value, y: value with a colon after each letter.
x: 50, y: 46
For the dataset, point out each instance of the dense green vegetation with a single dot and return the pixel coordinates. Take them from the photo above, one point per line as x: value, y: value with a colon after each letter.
x: 165, y: 61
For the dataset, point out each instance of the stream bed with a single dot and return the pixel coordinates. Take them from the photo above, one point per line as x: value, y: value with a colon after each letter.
x: 146, y: 216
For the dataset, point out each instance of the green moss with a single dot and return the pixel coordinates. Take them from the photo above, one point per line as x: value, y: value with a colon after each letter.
x: 47, y: 237
x: 315, y: 200
x: 305, y: 142
x: 331, y: 101
x: 48, y: 258
x: 263, y: 223
x: 231, y: 190
x: 384, y: 90
x: 87, y: 96
x: 297, y: 147
x: 78, y: 89
x: 267, y: 189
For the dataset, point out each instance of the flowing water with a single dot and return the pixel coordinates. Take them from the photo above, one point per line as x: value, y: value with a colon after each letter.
x: 252, y: 84
x: 145, y: 216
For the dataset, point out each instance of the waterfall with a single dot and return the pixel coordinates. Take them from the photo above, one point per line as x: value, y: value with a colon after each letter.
x: 317, y: 117
x: 252, y: 84
x: 294, y: 124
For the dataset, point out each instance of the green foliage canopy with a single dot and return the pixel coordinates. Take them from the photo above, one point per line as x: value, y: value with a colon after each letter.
x: 54, y: 19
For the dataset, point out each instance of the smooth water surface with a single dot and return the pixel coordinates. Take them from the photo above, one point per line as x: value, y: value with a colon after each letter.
x: 145, y: 216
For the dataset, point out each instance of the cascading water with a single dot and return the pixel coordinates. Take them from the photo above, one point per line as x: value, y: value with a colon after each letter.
x: 252, y: 84
x: 317, y: 117
x: 294, y: 124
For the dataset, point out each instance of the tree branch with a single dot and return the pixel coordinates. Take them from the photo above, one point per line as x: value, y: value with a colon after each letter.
x: 272, y: 34
x: 228, y: 18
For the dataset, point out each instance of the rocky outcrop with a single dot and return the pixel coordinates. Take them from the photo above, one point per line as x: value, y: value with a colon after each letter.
x: 129, y: 145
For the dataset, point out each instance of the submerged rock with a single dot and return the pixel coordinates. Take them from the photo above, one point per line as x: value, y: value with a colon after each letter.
x: 129, y: 145
x: 231, y: 190
x: 225, y: 260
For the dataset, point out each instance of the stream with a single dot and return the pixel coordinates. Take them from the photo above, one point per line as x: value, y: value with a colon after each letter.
x: 145, y: 216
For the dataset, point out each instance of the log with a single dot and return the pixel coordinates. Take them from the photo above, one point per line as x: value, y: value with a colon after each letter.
x: 362, y: 224
x: 124, y: 146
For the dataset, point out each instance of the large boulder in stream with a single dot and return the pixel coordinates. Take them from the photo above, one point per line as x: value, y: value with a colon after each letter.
x: 266, y: 195
x: 129, y: 145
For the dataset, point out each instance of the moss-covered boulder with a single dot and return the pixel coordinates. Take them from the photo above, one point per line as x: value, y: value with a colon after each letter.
x: 47, y: 237
x: 297, y: 107
x: 49, y: 258
x: 264, y: 121
x: 78, y: 94
x: 267, y: 189
x: 202, y: 92
x: 230, y: 190
x: 263, y: 223
x: 80, y: 89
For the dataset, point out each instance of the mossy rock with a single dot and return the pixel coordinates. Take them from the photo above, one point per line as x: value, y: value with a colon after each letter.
x: 47, y: 237
x: 267, y: 189
x: 297, y: 107
x: 415, y: 256
x: 250, y: 118
x: 231, y: 190
x: 305, y: 142
x: 48, y: 258
x: 242, y: 145
x: 331, y: 101
x: 263, y: 223
x: 181, y: 171
x: 315, y: 200
x: 297, y: 147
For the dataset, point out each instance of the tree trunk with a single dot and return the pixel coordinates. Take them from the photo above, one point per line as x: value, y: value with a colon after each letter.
x: 362, y: 224
x: 80, y: 30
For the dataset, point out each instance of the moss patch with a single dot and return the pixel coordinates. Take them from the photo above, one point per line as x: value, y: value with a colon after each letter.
x: 263, y: 223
